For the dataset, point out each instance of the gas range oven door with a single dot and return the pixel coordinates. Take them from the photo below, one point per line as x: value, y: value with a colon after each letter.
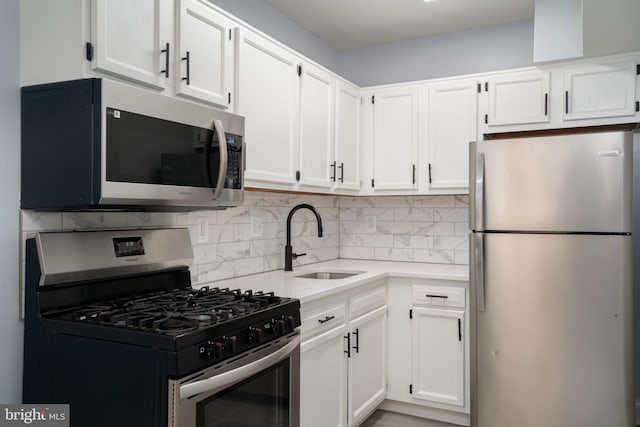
x: 261, y: 387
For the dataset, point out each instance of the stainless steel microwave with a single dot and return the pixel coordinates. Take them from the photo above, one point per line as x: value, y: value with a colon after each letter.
x: 96, y: 144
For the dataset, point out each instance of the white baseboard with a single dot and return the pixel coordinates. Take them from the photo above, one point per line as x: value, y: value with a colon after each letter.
x: 638, y: 412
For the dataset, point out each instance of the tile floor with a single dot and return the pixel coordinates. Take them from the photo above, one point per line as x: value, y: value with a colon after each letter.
x: 391, y: 419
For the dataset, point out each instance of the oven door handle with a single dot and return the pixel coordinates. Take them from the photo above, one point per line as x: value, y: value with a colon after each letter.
x: 222, y: 170
x: 221, y: 381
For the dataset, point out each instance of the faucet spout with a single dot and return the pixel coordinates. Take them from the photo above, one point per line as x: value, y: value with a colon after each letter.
x: 288, y: 250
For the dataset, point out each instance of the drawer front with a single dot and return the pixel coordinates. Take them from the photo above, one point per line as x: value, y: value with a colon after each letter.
x: 441, y: 296
x: 322, y: 319
x: 366, y: 301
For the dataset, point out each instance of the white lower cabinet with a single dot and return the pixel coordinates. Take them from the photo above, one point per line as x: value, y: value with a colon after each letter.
x: 438, y: 355
x: 367, y: 364
x: 323, y: 380
x: 428, y: 349
x: 343, y: 359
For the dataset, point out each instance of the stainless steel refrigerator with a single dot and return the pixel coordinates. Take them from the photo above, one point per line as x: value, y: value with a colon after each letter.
x: 551, y: 281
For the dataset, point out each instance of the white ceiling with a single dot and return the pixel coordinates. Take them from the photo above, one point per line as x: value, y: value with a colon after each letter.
x: 348, y: 24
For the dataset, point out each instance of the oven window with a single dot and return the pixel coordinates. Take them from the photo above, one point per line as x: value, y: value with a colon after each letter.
x: 262, y: 400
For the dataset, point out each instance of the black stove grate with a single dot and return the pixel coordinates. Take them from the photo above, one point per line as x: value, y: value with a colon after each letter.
x: 171, y: 312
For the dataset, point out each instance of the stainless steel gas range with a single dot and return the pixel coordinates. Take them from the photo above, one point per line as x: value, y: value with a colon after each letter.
x: 114, y: 328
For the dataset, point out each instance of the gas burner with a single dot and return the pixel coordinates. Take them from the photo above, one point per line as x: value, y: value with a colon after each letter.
x: 174, y: 325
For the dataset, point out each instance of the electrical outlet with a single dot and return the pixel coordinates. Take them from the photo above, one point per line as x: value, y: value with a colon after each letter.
x: 203, y: 229
x: 257, y: 226
x: 370, y: 221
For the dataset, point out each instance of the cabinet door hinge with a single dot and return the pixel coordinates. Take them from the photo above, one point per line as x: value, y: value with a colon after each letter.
x: 410, y: 388
x: 89, y: 51
x: 410, y: 314
x: 486, y: 118
x: 299, y: 70
x: 637, y: 106
x: 373, y: 99
x: 297, y: 175
x: 479, y: 87
x: 373, y: 183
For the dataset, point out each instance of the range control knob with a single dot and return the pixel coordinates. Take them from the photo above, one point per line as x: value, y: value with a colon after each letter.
x: 208, y: 350
x: 218, y: 349
x: 254, y: 335
x: 291, y: 323
x: 231, y: 345
x: 277, y: 326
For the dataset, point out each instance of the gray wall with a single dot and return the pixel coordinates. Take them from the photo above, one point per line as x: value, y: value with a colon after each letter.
x: 10, y: 329
x: 485, y: 49
x: 269, y: 20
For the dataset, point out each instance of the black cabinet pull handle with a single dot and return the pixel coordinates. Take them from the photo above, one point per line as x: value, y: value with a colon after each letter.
x: 566, y: 102
x: 546, y: 104
x: 429, y: 173
x: 436, y: 296
x: 459, y: 330
x: 166, y: 51
x: 326, y: 319
x: 357, y: 335
x: 348, y: 350
x: 333, y: 174
x: 414, y: 174
x: 341, y: 167
x: 186, y: 58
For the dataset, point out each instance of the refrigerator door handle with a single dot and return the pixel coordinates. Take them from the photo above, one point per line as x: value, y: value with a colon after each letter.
x: 479, y: 193
x: 479, y: 269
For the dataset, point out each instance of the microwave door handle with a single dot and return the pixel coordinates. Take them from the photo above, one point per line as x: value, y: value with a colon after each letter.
x: 221, y: 381
x: 222, y: 170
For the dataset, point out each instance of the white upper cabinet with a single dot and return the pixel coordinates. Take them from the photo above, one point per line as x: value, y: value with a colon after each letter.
x: 395, y: 139
x: 317, y: 104
x: 204, y: 53
x: 518, y: 98
x: 452, y: 122
x: 600, y: 90
x: 130, y: 39
x: 347, y: 137
x: 180, y: 48
x: 302, y: 122
x: 268, y: 98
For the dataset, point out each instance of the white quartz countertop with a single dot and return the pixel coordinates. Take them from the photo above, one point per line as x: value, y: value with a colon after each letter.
x: 286, y: 284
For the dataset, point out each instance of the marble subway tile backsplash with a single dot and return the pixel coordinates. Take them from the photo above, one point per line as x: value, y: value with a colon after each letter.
x: 405, y: 228
x: 250, y: 239
x: 240, y: 241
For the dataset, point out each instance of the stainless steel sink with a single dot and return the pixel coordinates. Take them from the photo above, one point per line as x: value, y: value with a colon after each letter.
x: 329, y: 275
